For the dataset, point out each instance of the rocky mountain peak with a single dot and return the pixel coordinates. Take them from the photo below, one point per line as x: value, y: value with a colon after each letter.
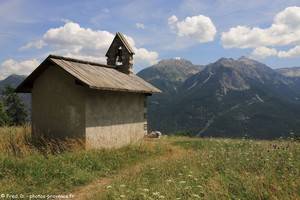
x: 226, y: 62
x: 175, y: 62
x: 248, y: 61
x: 168, y: 74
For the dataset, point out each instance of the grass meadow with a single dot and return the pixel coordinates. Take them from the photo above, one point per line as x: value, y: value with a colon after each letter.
x: 217, y: 169
x: 59, y: 167
x: 169, y: 168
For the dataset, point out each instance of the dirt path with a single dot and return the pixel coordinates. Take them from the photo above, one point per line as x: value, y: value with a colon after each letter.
x: 99, y: 185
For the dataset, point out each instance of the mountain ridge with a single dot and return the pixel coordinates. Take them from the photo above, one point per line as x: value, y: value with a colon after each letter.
x: 168, y: 74
x: 290, y: 71
x: 229, y: 98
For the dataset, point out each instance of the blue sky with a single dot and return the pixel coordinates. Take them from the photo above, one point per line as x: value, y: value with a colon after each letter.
x: 201, y: 30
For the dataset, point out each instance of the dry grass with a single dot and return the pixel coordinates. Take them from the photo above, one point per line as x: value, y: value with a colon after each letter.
x: 15, y: 141
x: 38, y: 166
x: 18, y: 141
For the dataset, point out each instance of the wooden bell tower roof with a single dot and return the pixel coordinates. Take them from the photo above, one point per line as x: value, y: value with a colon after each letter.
x: 120, y: 38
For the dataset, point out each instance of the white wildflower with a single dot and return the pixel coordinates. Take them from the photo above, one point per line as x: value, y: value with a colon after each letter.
x: 155, y: 193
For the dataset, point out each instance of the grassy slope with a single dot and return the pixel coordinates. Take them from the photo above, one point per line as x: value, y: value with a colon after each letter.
x: 192, y: 169
x: 26, y: 170
x: 217, y: 169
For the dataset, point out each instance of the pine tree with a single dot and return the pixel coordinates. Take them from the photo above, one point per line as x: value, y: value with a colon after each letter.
x: 14, y: 107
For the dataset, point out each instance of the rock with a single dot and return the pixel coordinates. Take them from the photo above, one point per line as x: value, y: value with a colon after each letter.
x: 154, y: 134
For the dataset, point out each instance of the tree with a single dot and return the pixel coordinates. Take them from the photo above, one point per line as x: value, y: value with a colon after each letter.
x: 14, y: 107
x: 3, y: 116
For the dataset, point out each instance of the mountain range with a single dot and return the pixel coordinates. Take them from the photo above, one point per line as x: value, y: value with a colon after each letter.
x: 227, y: 98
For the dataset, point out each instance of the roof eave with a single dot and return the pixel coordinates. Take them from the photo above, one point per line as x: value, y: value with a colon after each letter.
x: 125, y: 90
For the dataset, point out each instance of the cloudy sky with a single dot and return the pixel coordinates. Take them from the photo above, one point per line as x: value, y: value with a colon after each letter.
x: 199, y: 30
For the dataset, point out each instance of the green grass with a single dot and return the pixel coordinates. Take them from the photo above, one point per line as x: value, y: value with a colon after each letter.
x: 217, y: 169
x: 25, y: 169
x: 60, y: 173
x: 176, y: 168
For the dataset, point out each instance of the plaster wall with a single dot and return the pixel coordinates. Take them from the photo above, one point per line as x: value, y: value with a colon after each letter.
x: 114, y: 119
x: 58, y: 108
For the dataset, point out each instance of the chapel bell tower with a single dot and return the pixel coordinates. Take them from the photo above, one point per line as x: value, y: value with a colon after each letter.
x: 120, y: 54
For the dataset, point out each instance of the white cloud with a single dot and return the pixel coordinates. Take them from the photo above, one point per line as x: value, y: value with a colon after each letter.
x: 145, y: 57
x: 140, y: 26
x: 75, y: 41
x: 72, y: 38
x: 12, y: 66
x: 35, y: 44
x: 291, y: 53
x: 284, y: 31
x: 263, y: 52
x: 172, y: 21
x: 199, y: 28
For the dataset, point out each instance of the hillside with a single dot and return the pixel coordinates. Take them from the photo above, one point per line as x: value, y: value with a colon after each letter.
x: 214, y: 169
x: 167, y: 168
x: 13, y: 81
x: 230, y: 98
x: 290, y: 72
